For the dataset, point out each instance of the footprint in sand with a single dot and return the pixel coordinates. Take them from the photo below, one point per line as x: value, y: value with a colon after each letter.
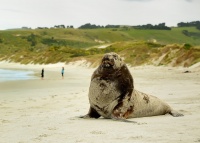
x: 40, y: 137
x: 4, y: 121
x: 97, y: 132
x: 77, y: 141
x: 52, y: 96
x: 33, y: 100
x: 141, y: 123
x: 52, y: 128
x: 198, y: 141
x: 136, y: 137
x: 3, y: 103
x: 43, y: 135
x: 25, y: 126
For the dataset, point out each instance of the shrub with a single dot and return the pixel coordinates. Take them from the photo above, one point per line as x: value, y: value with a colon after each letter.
x: 187, y: 46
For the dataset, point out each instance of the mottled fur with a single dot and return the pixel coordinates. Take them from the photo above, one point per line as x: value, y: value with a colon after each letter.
x: 112, y: 94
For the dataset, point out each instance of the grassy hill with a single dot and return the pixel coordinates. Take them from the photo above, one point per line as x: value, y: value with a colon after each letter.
x: 179, y: 46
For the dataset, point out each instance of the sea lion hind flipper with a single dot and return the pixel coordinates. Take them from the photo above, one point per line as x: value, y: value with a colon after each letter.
x: 175, y: 113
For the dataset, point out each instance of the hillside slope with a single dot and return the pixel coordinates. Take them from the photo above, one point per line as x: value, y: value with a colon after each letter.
x: 137, y: 46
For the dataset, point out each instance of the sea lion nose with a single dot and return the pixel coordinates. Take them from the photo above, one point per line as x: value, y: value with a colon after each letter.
x: 106, y: 63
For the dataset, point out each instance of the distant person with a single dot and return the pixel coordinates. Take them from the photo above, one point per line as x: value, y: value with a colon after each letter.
x: 42, y: 73
x: 62, y: 72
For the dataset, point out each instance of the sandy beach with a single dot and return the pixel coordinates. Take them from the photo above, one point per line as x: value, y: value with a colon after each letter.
x: 46, y: 111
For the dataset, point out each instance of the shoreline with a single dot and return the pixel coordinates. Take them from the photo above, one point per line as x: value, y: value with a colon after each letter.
x: 79, y: 65
x: 16, y: 74
x: 47, y: 110
x: 52, y: 71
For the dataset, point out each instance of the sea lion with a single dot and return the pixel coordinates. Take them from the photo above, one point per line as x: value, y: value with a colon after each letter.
x: 112, y: 94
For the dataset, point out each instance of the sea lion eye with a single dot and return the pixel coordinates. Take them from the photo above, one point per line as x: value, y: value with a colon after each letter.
x: 115, y: 57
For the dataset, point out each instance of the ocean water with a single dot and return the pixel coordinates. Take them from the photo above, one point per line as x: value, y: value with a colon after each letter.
x: 8, y: 75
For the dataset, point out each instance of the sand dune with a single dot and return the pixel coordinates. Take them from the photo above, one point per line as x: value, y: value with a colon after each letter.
x: 46, y: 111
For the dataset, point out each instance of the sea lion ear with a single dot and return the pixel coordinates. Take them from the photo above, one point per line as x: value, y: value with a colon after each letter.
x: 118, y: 62
x: 121, y: 62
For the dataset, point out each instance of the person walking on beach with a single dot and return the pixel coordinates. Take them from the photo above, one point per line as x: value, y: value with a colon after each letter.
x: 42, y: 73
x: 62, y: 72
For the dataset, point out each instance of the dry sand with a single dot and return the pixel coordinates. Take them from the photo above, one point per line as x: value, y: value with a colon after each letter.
x: 46, y: 111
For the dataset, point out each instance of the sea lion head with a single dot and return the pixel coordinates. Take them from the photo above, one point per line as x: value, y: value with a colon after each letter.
x: 111, y: 61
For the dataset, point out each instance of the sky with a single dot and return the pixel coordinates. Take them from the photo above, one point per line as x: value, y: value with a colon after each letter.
x: 48, y: 13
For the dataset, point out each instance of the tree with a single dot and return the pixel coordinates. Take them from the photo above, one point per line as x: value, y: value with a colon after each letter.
x: 189, y: 24
x: 89, y: 26
x: 59, y: 26
x: 160, y: 26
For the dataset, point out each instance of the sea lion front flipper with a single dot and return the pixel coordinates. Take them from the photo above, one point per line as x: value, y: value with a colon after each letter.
x: 175, y: 113
x: 91, y: 114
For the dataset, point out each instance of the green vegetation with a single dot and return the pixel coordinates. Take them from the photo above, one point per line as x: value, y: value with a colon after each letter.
x: 190, y: 24
x: 137, y: 46
x: 160, y: 26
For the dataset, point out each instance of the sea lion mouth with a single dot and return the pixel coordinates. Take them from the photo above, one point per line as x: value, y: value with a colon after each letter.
x: 107, y: 63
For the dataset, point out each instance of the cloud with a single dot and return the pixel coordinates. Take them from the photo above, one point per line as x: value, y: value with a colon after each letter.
x: 13, y: 10
x: 153, y: 0
x: 189, y: 0
x: 139, y: 0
